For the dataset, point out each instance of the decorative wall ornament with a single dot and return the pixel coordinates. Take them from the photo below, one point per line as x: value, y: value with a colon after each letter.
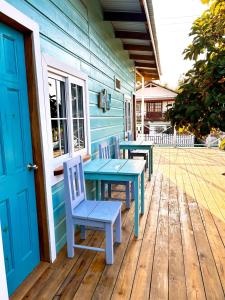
x: 104, y: 100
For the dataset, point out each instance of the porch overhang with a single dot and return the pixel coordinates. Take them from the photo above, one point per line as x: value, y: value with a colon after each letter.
x: 133, y: 22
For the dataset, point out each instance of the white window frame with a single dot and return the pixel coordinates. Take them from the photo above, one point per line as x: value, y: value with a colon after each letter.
x: 54, y: 67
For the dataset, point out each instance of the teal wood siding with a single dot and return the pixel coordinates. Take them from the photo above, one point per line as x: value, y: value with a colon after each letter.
x: 59, y: 214
x: 76, y: 34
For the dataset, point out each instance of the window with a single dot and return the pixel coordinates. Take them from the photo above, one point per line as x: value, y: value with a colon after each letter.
x: 154, y: 107
x: 68, y: 114
x: 59, y: 119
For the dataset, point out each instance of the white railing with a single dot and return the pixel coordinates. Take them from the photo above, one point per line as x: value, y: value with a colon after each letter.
x: 212, y: 143
x: 181, y: 140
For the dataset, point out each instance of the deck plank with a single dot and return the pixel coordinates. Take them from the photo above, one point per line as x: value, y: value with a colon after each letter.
x: 193, y: 276
x: 124, y: 285
x: 177, y: 284
x: 159, y: 280
x: 142, y: 279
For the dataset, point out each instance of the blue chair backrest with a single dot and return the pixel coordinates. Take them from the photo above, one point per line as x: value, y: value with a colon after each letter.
x: 74, y: 183
x: 104, y: 150
x: 117, y: 147
x: 129, y: 136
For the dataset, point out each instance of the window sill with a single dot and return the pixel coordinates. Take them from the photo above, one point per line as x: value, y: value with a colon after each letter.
x: 59, y: 171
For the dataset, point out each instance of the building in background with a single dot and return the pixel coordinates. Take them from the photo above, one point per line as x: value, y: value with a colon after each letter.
x: 157, y: 100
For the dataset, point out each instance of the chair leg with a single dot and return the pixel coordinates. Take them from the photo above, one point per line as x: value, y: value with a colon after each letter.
x: 70, y: 238
x: 109, y: 244
x: 128, y: 194
x: 118, y: 228
x: 82, y: 232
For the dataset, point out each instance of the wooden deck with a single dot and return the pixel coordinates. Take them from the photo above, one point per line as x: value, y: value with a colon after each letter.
x: 180, y: 253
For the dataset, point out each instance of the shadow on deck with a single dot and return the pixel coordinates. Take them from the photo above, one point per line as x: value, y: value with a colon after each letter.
x: 179, y: 254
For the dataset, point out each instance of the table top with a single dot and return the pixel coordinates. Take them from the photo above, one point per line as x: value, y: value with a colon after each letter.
x: 115, y: 166
x: 136, y: 143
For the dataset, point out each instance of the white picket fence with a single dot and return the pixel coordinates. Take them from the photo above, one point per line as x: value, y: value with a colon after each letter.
x: 181, y: 140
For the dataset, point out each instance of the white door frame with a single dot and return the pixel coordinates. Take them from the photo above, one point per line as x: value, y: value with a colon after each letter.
x: 14, y: 14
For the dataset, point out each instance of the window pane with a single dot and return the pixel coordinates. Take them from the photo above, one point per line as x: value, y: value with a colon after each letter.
x: 59, y: 137
x: 61, y: 98
x: 77, y: 101
x: 57, y: 99
x: 64, y: 136
x: 78, y: 134
x: 81, y: 133
x: 74, y: 100
x: 55, y: 138
x: 52, y: 97
x: 80, y: 101
x: 75, y: 135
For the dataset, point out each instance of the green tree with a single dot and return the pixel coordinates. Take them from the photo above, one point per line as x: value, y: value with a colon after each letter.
x: 200, y: 104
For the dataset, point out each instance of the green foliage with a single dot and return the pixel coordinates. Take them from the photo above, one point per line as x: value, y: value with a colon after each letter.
x: 200, y: 104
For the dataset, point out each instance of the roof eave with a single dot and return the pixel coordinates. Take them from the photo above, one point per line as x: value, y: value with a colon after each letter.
x: 148, y: 7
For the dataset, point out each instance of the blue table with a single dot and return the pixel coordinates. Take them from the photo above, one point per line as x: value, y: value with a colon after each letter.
x: 140, y: 145
x: 119, y: 170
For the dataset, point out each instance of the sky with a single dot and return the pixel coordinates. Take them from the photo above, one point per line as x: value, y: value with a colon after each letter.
x: 173, y: 19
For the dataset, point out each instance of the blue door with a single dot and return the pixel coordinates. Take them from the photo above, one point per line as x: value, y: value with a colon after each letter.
x: 17, y: 191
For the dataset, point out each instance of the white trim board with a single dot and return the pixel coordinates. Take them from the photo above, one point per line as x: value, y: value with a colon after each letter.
x: 14, y: 14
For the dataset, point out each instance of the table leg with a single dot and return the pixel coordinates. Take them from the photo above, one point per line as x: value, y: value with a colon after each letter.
x: 142, y: 193
x: 136, y: 207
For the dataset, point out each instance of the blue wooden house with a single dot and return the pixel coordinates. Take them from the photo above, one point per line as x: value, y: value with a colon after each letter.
x: 67, y: 82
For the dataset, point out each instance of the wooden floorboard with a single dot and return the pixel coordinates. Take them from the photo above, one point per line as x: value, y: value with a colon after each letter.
x: 177, y: 283
x: 180, y: 251
x: 193, y: 276
x: 142, y: 279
